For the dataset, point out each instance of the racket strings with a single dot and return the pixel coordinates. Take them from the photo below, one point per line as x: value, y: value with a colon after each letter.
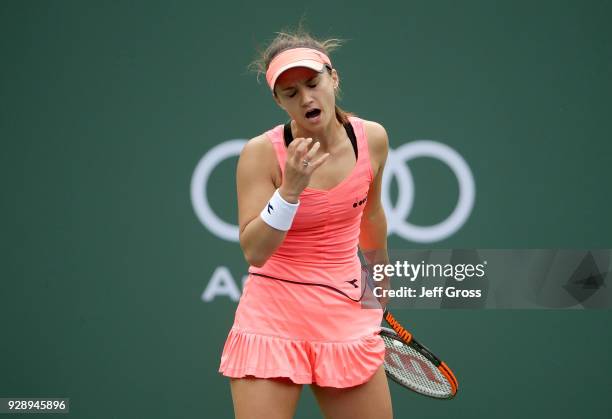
x: 411, y: 369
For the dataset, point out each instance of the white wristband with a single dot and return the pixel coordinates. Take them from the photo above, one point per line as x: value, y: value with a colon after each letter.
x: 279, y: 213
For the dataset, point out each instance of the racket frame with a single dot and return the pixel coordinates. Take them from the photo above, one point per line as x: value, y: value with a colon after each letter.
x: 406, y: 337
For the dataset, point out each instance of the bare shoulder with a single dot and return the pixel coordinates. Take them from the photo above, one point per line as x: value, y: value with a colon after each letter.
x: 258, y: 152
x: 378, y: 143
x: 258, y: 147
x: 258, y: 157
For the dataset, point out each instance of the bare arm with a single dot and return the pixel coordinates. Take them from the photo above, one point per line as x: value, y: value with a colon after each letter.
x: 255, y: 187
x: 373, y: 235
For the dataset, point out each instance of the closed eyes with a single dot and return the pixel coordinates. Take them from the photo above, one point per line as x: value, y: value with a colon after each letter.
x: 313, y: 85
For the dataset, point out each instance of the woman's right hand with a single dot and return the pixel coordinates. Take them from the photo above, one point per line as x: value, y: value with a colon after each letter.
x: 297, y: 175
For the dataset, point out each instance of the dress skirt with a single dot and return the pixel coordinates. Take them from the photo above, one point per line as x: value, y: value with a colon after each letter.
x: 307, y: 333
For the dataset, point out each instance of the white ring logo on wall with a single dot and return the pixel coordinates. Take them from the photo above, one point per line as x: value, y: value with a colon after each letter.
x: 395, y: 167
x: 396, y: 215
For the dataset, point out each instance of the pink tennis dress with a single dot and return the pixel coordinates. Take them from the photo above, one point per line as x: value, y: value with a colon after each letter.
x: 300, y: 315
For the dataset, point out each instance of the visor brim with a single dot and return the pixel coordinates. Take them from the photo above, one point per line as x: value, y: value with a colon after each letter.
x: 311, y: 64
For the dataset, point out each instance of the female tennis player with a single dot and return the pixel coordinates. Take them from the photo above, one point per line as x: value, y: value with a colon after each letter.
x: 308, y: 199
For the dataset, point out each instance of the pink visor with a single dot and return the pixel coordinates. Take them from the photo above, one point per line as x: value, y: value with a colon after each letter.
x: 295, y: 57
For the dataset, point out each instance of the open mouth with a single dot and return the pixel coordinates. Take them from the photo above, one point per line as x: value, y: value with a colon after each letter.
x: 313, y: 113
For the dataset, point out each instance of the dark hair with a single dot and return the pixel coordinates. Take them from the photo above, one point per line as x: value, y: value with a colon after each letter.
x: 298, y: 38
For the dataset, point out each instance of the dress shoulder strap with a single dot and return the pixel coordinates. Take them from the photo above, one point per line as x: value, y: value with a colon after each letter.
x: 288, y: 135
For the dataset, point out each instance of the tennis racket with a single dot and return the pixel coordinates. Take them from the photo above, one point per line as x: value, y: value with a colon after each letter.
x: 412, y: 365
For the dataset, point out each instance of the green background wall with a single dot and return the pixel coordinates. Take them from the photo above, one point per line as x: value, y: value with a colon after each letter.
x: 107, y: 107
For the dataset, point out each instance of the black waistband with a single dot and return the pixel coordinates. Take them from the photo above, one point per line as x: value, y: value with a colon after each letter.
x: 315, y: 284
